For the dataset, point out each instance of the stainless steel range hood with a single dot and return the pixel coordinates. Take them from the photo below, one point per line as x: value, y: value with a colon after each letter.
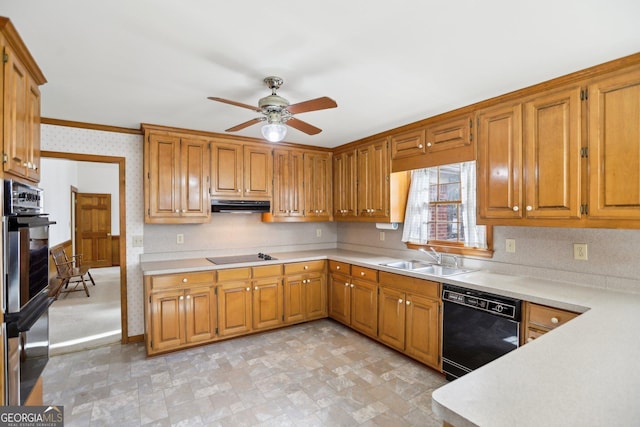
x: 240, y: 206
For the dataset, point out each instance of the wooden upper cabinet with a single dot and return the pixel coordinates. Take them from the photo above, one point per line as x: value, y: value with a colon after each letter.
x: 449, y: 135
x: 499, y: 162
x: 407, y: 144
x: 614, y: 147
x: 288, y: 185
x: 21, y: 107
x: 177, y: 179
x: 241, y: 171
x: 373, y: 180
x: 345, y: 185
x: 552, y: 143
x: 317, y: 186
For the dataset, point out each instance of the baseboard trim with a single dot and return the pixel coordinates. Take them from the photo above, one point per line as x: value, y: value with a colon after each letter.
x: 135, y: 338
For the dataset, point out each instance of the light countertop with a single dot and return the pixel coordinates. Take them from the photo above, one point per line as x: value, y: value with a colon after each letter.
x: 583, y: 373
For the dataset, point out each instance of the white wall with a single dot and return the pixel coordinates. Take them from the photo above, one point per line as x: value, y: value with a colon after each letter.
x: 56, y: 178
x: 102, y: 178
x: 87, y: 141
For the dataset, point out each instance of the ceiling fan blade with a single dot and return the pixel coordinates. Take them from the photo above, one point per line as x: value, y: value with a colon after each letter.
x: 245, y: 124
x: 312, y: 105
x: 237, y: 104
x: 303, y: 126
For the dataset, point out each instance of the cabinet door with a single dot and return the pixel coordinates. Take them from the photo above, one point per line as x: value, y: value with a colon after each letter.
x: 194, y: 178
x: 167, y: 325
x: 163, y: 157
x: 226, y: 169
x: 294, y: 299
x: 499, y: 162
x: 391, y: 317
x: 200, y: 314
x: 258, y: 172
x: 33, y: 131
x: 408, y: 144
x: 364, y: 306
x: 267, y: 303
x: 614, y: 147
x: 317, y: 181
x: 16, y: 84
x: 552, y: 141
x: 234, y: 308
x: 423, y: 330
x: 288, y: 190
x: 315, y: 292
x: 373, y: 180
x: 345, y: 185
x: 340, y: 298
x: 449, y: 135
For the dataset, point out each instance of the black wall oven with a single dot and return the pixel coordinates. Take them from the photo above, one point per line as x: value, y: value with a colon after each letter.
x: 477, y: 328
x: 25, y: 288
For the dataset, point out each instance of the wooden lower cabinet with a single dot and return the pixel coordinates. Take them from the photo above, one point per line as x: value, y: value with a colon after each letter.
x: 540, y: 319
x: 181, y: 310
x: 267, y: 297
x: 305, y: 291
x: 364, y: 304
x: 409, y: 317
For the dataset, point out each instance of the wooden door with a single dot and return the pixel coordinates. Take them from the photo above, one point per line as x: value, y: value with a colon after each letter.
x: 234, y: 308
x: 317, y: 181
x: 345, y: 181
x: 364, y: 306
x: 194, y: 178
x: 226, y: 169
x: 93, y: 229
x: 340, y: 297
x: 164, y: 199
x: 267, y: 303
x: 167, y: 325
x: 294, y: 299
x: 614, y: 147
x: 499, y: 162
x: 258, y: 172
x: 200, y: 314
x: 15, y: 115
x: 552, y: 141
x: 391, y: 317
x: 373, y: 180
x: 315, y: 296
x: 423, y: 330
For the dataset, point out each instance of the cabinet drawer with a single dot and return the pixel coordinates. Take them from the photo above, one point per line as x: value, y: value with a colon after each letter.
x: 426, y: 288
x: 234, y: 274
x: 548, y: 317
x: 339, y: 267
x: 364, y: 273
x: 183, y: 279
x: 267, y: 271
x: 303, y: 267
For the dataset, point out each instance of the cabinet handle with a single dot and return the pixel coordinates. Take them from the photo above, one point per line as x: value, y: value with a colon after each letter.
x: 304, y: 281
x: 188, y: 296
x: 529, y: 208
x: 184, y: 210
x: 246, y: 191
x: 306, y: 267
x: 338, y: 267
x: 177, y: 211
x: 429, y: 144
x: 248, y: 289
x: 181, y: 298
x: 362, y: 273
x: 400, y: 301
x: 353, y: 286
x: 185, y: 280
x: 419, y: 145
x: 346, y: 284
x: 516, y: 209
x: 408, y: 302
x: 255, y: 289
x: 555, y: 320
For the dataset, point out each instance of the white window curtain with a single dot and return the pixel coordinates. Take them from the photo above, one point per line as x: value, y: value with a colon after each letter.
x: 417, y: 213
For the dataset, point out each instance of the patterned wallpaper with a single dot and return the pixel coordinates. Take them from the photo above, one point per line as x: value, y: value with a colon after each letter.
x: 87, y: 141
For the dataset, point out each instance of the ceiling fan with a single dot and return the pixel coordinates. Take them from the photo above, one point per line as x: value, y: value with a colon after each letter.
x: 276, y: 112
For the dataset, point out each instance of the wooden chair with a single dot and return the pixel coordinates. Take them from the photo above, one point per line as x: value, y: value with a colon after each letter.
x: 70, y: 271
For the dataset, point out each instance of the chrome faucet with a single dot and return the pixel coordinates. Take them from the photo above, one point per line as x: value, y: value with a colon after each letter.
x: 435, y: 255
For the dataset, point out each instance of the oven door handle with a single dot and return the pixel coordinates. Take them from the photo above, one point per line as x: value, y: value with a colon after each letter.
x: 23, y: 320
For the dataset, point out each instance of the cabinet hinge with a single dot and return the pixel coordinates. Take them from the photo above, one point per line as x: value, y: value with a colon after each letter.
x: 5, y: 158
x: 149, y: 299
x: 215, y: 292
x: 584, y: 152
x: 470, y: 124
x: 584, y: 94
x: 216, y: 330
x: 148, y: 211
x: 584, y: 209
x: 5, y: 57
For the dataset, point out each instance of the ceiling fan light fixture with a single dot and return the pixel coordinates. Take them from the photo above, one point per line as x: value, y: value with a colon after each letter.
x: 274, y: 132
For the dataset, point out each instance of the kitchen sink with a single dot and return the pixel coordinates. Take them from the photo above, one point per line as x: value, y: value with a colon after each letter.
x: 425, y: 267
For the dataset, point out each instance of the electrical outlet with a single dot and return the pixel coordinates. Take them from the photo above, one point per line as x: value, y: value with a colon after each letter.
x: 382, y: 236
x: 318, y: 232
x: 580, y: 251
x: 510, y: 245
x: 179, y: 239
x: 137, y: 241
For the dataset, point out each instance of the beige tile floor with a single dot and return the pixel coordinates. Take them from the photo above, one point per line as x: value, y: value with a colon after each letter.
x: 314, y: 374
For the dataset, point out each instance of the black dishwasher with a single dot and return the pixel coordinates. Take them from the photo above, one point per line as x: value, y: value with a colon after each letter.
x: 477, y: 327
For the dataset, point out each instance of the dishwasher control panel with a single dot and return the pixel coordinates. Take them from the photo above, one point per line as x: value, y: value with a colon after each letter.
x: 500, y: 306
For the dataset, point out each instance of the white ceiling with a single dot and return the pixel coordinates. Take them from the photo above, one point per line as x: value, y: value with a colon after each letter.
x: 123, y: 62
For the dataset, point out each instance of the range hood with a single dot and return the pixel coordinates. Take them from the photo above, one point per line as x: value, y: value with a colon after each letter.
x: 240, y: 206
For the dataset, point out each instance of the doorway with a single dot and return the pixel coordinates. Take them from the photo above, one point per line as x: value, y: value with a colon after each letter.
x: 117, y: 274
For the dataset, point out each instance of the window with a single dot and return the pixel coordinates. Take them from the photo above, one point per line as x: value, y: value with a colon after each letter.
x: 441, y: 211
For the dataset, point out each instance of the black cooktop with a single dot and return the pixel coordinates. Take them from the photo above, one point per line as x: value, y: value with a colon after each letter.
x: 237, y: 259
